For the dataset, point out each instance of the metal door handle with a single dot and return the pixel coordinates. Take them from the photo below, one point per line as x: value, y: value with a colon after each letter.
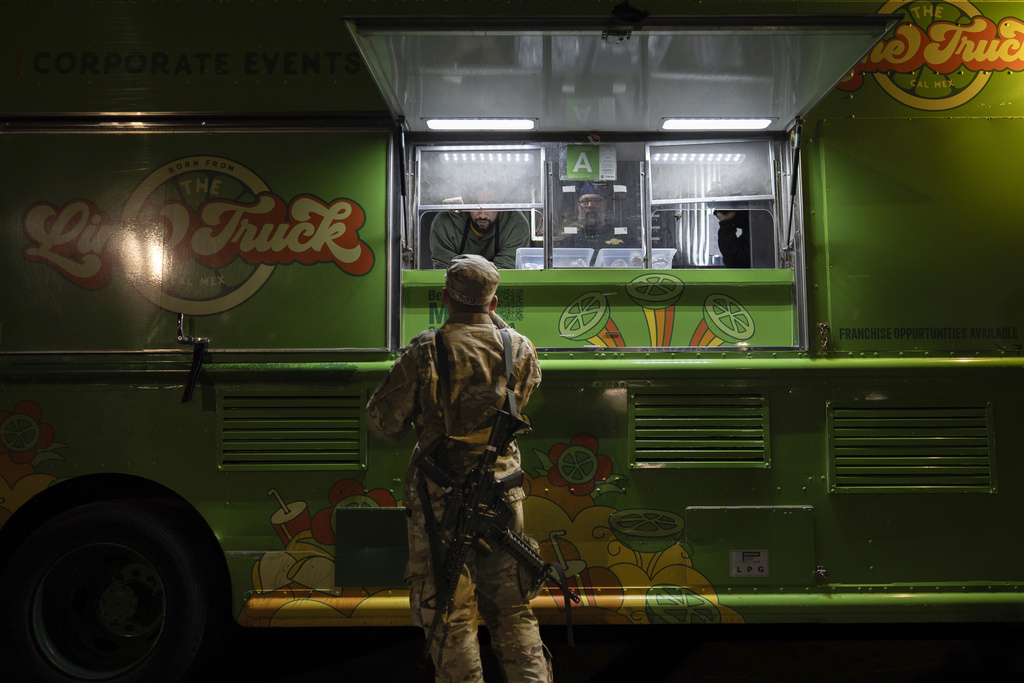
x: 199, y: 345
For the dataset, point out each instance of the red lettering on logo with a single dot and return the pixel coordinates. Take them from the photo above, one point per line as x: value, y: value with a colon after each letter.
x: 946, y: 47
x: 74, y: 239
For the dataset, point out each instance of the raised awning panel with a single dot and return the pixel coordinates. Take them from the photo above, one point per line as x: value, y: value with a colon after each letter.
x: 586, y: 74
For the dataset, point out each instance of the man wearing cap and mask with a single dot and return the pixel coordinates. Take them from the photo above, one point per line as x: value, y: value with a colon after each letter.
x: 495, y: 235
x: 594, y: 225
x: 410, y: 397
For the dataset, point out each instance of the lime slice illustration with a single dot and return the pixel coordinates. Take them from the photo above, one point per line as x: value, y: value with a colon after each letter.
x: 668, y: 604
x: 357, y: 501
x: 727, y: 318
x: 655, y: 290
x: 577, y: 465
x: 585, y: 317
x: 646, y: 531
x: 19, y: 433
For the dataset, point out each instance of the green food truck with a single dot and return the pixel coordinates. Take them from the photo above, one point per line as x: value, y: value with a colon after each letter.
x: 784, y: 385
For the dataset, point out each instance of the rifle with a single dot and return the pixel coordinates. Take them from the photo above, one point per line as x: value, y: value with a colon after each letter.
x: 477, y: 516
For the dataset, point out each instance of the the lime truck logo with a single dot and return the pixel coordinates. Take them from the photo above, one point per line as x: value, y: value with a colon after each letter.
x: 200, y: 235
x: 941, y: 55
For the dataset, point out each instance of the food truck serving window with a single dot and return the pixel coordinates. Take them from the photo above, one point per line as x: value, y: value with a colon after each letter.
x: 610, y: 233
x: 672, y: 244
x: 695, y: 204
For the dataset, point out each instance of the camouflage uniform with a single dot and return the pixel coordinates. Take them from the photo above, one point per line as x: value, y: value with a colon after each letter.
x: 489, y: 586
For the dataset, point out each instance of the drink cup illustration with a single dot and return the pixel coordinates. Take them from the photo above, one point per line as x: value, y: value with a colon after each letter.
x: 725, y: 321
x: 589, y: 317
x: 290, y: 519
x: 657, y: 294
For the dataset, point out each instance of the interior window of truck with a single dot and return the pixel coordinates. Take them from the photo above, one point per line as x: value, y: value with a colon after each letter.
x: 661, y: 205
x: 582, y: 204
x: 485, y: 199
x: 597, y: 206
x: 713, y: 203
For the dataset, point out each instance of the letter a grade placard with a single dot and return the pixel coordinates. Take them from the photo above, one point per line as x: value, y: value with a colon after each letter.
x: 589, y: 162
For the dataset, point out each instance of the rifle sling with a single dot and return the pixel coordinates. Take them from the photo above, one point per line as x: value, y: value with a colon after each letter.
x: 555, y: 573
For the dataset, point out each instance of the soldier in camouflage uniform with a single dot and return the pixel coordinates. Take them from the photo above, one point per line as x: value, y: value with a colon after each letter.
x: 409, y: 397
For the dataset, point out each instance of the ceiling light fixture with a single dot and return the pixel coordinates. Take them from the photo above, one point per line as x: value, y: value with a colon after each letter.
x: 715, y: 124
x: 480, y: 124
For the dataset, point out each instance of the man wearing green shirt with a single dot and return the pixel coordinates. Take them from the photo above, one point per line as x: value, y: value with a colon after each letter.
x: 492, y: 234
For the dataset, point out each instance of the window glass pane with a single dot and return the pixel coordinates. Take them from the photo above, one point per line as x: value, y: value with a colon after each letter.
x: 494, y: 176
x: 741, y: 235
x: 599, y: 222
x: 706, y: 171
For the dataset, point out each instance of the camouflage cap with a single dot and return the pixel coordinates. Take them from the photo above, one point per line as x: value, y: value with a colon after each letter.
x: 471, y: 280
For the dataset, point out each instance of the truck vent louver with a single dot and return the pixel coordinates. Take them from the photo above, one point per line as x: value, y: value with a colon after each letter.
x: 717, y: 430
x: 291, y: 430
x: 910, y: 448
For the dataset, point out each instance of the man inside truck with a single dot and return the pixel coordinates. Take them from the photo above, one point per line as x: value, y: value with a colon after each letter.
x: 595, y: 225
x: 734, y: 237
x: 495, y: 235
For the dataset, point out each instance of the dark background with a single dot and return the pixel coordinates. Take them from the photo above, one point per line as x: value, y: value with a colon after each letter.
x: 815, y: 652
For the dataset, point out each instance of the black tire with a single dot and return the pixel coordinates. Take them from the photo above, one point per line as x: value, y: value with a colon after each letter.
x: 112, y: 591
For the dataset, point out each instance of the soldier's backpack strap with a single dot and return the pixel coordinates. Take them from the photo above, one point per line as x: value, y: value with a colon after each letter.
x: 510, y: 377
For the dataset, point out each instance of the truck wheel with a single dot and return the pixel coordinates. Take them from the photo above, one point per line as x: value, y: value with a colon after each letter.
x: 112, y: 591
